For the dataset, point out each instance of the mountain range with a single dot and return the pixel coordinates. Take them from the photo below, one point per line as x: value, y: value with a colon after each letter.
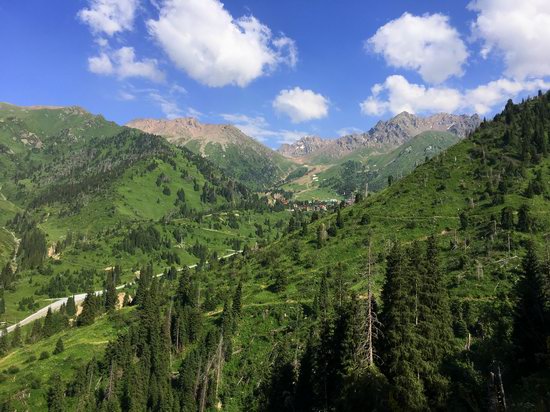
x: 383, y: 136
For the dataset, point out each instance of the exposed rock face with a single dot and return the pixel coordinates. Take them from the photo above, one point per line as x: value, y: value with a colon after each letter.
x: 384, y: 135
x: 304, y: 146
x: 183, y: 130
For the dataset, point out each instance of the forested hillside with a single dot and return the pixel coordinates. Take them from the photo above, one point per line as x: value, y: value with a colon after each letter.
x: 430, y: 295
x: 87, y: 195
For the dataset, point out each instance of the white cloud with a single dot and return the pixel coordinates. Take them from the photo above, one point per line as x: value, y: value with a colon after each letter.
x: 484, y: 98
x: 101, y: 64
x: 126, y: 96
x: 176, y: 88
x: 396, y: 95
x: 346, y: 131
x: 204, y: 40
x: 517, y: 29
x: 109, y: 16
x: 258, y: 128
x: 301, y: 105
x: 123, y: 64
x: 169, y: 107
x: 427, y: 44
x: 191, y: 112
x: 413, y: 98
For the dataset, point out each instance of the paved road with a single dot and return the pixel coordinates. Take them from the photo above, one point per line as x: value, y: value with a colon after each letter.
x: 54, y: 306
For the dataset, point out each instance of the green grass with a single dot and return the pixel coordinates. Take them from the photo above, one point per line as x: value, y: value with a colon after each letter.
x: 81, y: 345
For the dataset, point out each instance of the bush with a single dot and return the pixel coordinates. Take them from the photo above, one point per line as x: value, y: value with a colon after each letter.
x: 44, y: 355
x: 12, y: 370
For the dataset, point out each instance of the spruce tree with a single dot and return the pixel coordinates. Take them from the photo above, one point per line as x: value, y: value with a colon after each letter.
x: 339, y: 220
x: 89, y: 310
x: 59, y: 347
x: 532, y: 318
x: 71, y: 306
x: 16, y: 339
x: 434, y: 325
x: 55, y: 394
x: 402, y: 357
x: 110, y: 293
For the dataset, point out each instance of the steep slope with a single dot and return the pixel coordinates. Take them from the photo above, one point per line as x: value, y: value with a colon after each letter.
x: 92, y: 194
x: 352, y: 172
x: 383, y: 137
x: 238, y: 154
x: 363, y: 166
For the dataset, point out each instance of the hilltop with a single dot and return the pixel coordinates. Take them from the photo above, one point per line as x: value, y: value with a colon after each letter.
x: 225, y: 145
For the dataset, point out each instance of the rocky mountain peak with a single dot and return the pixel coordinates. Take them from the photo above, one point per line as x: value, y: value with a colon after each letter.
x: 384, y: 135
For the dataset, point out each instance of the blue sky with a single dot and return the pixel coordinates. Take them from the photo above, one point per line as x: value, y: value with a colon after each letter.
x: 277, y: 69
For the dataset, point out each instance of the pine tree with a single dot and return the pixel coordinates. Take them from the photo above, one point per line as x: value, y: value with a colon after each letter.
x: 16, y: 339
x: 339, y: 220
x: 71, y: 306
x: 49, y: 327
x: 55, y: 394
x: 434, y: 325
x: 507, y: 218
x: 525, y: 222
x: 532, y: 318
x: 89, y: 310
x: 59, y: 347
x: 7, y: 276
x: 402, y: 357
x: 110, y: 293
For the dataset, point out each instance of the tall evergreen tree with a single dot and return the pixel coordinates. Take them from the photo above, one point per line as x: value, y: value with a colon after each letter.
x: 532, y: 320
x: 55, y: 394
x: 110, y: 293
x: 434, y: 325
x: 402, y: 357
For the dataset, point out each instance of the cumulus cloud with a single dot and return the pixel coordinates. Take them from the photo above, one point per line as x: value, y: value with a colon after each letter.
x: 258, y: 128
x: 301, y: 105
x: 123, y: 64
x: 109, y: 16
x: 404, y: 96
x: 396, y: 95
x: 486, y: 97
x: 427, y: 44
x: 203, y: 39
x: 519, y: 31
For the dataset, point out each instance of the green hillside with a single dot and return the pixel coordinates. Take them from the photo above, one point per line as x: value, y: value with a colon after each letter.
x: 447, y: 252
x: 88, y: 195
x: 351, y: 173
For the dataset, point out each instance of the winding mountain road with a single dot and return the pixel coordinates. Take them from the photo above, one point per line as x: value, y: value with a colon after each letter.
x: 79, y: 298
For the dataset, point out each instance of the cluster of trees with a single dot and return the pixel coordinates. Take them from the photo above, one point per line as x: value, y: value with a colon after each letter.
x: 147, y: 239
x: 72, y: 281
x: 137, y: 372
x: 405, y: 356
x: 33, y: 248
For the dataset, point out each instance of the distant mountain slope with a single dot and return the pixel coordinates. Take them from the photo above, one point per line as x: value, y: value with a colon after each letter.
x: 238, y: 154
x: 384, y: 136
x: 355, y: 170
